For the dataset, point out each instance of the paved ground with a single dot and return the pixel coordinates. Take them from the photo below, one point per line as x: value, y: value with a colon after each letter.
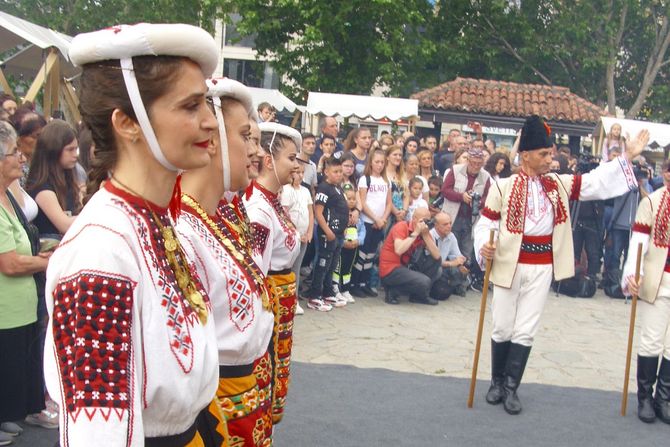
x: 582, y: 343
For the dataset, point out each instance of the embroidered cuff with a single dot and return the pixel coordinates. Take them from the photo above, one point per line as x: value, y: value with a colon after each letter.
x: 627, y: 169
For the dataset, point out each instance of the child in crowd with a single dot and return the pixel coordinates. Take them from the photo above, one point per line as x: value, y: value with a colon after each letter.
x: 375, y: 193
x: 349, y: 177
x: 416, y: 197
x: 297, y: 201
x: 332, y: 214
x: 435, y: 199
x: 354, y: 236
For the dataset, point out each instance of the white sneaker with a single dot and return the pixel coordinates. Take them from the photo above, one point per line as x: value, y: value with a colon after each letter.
x: 336, y: 301
x: 45, y: 419
x: 299, y: 310
x: 319, y: 305
x: 347, y: 296
x: 6, y: 438
x: 11, y: 429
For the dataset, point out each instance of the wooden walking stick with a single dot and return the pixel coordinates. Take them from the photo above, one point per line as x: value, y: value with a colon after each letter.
x: 631, y: 330
x: 480, y: 327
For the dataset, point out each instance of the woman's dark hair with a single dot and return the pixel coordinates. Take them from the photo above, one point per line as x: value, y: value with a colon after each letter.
x: 348, y: 156
x: 26, y: 121
x: 412, y: 138
x: 563, y: 164
x: 45, y: 167
x: 6, y: 97
x: 350, y: 141
x: 85, y: 140
x: 278, y: 145
x: 492, y: 162
x: 103, y: 91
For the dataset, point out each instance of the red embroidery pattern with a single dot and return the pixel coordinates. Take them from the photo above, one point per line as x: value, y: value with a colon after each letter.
x: 179, y: 315
x: 550, y: 186
x: 516, y: 209
x: 490, y: 214
x: 261, y: 234
x: 576, y: 187
x: 284, y: 219
x: 240, y: 293
x: 92, y: 321
x: 642, y: 228
x: 662, y: 225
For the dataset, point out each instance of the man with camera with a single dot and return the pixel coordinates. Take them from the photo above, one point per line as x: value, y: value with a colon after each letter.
x: 530, y: 211
x: 409, y: 260
x: 463, y: 189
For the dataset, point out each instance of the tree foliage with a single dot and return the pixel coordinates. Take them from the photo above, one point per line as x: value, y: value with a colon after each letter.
x: 77, y: 16
x: 340, y: 46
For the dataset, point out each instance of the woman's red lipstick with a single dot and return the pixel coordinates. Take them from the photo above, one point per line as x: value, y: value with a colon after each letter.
x: 203, y: 144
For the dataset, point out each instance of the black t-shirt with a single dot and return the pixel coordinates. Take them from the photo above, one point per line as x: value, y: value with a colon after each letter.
x: 335, y: 209
x: 42, y: 222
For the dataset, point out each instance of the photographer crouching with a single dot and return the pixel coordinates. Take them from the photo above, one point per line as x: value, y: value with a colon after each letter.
x: 410, y: 244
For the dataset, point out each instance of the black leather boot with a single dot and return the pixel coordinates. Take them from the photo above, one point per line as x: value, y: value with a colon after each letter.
x: 662, y: 398
x: 514, y: 368
x: 646, y: 377
x: 498, y: 359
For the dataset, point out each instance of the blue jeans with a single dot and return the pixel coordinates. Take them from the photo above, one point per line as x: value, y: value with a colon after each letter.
x: 326, y: 262
x: 615, y: 245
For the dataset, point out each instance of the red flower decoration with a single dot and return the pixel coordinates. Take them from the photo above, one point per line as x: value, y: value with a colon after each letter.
x: 547, y: 128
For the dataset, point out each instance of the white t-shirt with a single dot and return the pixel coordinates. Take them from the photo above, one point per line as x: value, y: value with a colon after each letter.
x: 297, y: 201
x: 376, y: 197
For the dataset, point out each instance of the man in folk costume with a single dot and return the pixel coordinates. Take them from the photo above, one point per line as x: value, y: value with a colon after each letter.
x: 529, y: 210
x: 652, y: 229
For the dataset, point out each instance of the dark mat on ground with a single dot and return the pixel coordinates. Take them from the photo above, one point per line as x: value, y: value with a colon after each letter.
x: 338, y: 405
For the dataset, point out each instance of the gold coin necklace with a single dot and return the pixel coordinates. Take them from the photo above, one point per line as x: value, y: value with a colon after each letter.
x: 177, y: 261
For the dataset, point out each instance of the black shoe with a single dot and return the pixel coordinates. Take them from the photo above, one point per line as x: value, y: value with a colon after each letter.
x: 426, y: 300
x: 477, y: 286
x: 498, y: 359
x: 662, y: 398
x: 460, y: 291
x: 646, y: 377
x: 514, y: 368
x: 369, y: 291
x: 357, y: 292
x: 391, y: 298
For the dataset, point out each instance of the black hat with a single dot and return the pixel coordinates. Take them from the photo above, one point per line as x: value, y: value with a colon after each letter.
x: 535, y: 134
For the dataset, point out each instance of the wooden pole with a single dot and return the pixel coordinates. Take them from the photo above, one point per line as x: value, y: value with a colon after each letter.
x: 41, y: 76
x: 4, y: 84
x: 480, y: 327
x: 71, y: 100
x: 631, y: 331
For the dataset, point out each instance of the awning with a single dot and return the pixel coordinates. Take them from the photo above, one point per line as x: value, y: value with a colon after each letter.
x: 274, y: 97
x: 35, y: 39
x: 659, y: 134
x: 376, y: 107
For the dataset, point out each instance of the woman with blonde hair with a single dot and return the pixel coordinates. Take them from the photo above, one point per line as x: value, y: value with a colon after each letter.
x: 395, y: 173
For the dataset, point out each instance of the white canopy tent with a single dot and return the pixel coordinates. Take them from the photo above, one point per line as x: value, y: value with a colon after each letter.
x: 273, y: 97
x: 375, y: 107
x: 659, y: 134
x: 40, y: 55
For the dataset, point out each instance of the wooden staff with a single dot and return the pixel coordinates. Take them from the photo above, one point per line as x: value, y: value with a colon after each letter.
x: 480, y: 327
x: 631, y: 330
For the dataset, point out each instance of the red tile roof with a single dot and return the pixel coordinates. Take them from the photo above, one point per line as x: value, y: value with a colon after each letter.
x: 509, y: 99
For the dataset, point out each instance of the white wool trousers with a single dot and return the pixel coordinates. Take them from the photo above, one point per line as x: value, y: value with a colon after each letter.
x: 655, y: 322
x: 516, y: 311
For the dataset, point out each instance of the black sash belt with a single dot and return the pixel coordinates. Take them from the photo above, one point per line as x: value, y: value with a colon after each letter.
x: 235, y: 371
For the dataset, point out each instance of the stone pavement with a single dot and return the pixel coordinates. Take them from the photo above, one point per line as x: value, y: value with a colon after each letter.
x: 581, y: 342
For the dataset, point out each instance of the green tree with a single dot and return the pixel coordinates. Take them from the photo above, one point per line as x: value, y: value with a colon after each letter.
x: 340, y: 46
x: 611, y: 52
x: 76, y: 16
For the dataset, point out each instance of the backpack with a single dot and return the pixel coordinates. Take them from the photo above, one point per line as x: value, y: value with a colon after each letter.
x: 576, y: 287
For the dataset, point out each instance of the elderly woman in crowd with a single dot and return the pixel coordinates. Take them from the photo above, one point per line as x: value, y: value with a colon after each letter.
x: 22, y: 391
x: 28, y: 125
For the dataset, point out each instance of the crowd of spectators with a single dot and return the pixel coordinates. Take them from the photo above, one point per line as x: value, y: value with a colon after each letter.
x: 42, y: 180
x: 397, y: 210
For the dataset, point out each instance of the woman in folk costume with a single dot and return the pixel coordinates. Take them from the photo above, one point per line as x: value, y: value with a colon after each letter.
x: 652, y: 229
x: 224, y: 262
x: 276, y: 246
x: 530, y: 212
x: 131, y: 348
